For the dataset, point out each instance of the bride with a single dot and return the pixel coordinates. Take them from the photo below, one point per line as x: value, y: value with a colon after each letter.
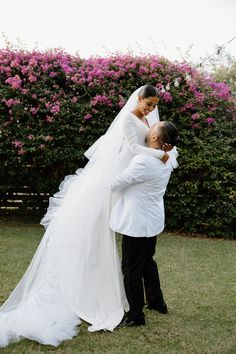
x: 75, y: 273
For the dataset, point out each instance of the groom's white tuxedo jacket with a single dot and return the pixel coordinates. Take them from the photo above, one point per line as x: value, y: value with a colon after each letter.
x: 139, y: 211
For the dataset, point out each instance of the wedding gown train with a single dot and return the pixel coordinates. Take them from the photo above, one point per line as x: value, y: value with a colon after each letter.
x: 75, y: 273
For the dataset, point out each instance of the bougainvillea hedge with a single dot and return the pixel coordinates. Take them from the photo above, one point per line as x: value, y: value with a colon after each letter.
x: 53, y: 106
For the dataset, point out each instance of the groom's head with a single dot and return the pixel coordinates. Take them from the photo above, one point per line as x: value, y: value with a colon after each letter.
x: 162, y: 133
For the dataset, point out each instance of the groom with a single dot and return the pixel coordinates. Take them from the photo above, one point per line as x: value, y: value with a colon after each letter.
x: 139, y: 216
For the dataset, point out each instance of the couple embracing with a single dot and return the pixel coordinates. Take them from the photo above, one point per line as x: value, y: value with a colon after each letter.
x: 76, y: 273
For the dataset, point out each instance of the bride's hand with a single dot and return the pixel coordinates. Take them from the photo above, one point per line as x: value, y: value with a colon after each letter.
x: 167, y: 147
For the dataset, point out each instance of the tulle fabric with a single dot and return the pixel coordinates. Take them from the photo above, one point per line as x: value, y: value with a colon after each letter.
x: 75, y: 273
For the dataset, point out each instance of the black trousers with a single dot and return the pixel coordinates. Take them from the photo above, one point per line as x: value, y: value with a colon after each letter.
x: 140, y: 272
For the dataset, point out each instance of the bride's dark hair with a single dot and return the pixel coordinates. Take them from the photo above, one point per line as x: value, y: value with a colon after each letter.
x: 170, y: 134
x: 148, y: 91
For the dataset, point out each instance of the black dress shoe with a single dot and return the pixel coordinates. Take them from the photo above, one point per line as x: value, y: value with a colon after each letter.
x: 126, y: 322
x: 160, y: 308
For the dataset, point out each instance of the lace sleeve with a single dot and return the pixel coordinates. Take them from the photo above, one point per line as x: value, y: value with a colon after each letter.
x: 130, y: 135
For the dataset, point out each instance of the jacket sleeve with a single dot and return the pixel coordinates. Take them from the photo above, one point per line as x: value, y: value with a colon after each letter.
x: 136, y: 172
x: 130, y: 135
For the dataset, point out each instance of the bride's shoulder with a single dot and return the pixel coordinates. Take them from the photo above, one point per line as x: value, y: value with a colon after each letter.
x: 129, y: 122
x: 129, y: 115
x: 129, y: 118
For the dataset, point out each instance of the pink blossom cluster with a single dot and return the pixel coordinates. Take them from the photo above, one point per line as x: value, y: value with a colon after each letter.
x: 99, y: 99
x: 17, y: 144
x: 167, y: 97
x: 38, y: 86
x: 88, y: 116
x: 221, y: 90
x: 195, y: 116
x: 11, y: 102
x: 14, y: 82
x: 34, y: 110
x: 210, y: 120
x: 53, y: 107
x: 48, y: 138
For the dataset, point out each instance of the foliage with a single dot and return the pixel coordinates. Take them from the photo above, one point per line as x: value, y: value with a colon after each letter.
x: 53, y: 106
x: 228, y: 75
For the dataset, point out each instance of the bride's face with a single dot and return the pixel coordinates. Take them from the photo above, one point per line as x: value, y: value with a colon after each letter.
x: 147, y: 105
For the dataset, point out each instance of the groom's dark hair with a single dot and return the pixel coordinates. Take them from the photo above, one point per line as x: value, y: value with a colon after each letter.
x: 169, y: 134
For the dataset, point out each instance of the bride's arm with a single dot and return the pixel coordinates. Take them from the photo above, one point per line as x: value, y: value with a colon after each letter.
x: 130, y: 135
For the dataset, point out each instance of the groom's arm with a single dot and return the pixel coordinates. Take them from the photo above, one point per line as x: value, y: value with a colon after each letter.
x: 136, y: 172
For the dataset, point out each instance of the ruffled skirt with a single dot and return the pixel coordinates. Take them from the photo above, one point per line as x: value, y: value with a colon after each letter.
x: 75, y: 273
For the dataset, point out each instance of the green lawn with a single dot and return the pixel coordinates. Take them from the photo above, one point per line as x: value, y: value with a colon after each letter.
x: 198, y: 279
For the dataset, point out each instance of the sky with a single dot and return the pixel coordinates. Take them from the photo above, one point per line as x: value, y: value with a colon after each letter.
x: 170, y: 28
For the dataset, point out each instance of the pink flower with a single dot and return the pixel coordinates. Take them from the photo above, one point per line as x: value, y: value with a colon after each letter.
x: 34, y: 96
x: 195, y: 116
x: 75, y: 79
x: 24, y: 70
x: 55, y: 109
x: 221, y: 90
x: 42, y: 146
x: 74, y: 99
x: 48, y: 138
x: 143, y: 70
x: 192, y: 86
x: 212, y: 108
x: 167, y: 97
x: 32, y: 78
x: 67, y: 69
x: 98, y: 99
x: 21, y: 152
x: 46, y: 66
x: 52, y: 74
x: 49, y: 119
x: 17, y: 144
x: 14, y: 82
x: 199, y: 96
x: 30, y: 137
x: 11, y: 102
x: 210, y: 120
x: 189, y: 106
x: 88, y: 116
x: 15, y: 63
x: 33, y: 110
x: 121, y: 102
x: 24, y: 91
x: 33, y: 62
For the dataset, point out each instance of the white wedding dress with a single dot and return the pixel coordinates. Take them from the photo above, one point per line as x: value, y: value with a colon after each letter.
x: 75, y: 273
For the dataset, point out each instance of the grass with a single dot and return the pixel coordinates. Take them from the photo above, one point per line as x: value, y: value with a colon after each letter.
x: 198, y: 280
